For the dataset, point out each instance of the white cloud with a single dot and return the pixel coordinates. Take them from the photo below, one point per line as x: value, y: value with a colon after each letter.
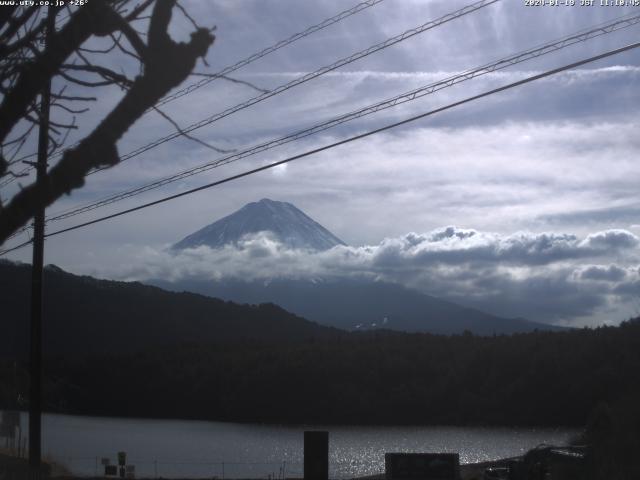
x: 543, y: 276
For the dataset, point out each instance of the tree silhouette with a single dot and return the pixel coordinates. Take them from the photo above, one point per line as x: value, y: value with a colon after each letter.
x: 26, y: 66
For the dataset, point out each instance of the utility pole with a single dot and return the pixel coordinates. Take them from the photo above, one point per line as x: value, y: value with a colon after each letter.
x: 35, y: 333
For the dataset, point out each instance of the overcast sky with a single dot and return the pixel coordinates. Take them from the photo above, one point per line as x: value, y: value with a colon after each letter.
x: 524, y: 203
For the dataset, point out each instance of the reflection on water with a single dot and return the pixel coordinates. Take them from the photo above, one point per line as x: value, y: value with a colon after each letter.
x: 172, y: 448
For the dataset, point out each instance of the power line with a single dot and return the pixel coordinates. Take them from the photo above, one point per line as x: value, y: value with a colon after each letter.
x: 282, y: 43
x: 17, y: 247
x: 300, y: 80
x: 374, y: 108
x: 343, y: 142
x: 236, y: 66
x: 305, y: 78
x: 21, y: 173
x: 309, y: 76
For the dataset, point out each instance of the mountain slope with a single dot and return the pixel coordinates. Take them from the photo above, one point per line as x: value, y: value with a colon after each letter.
x: 87, y: 315
x: 346, y: 302
x: 359, y: 304
x: 288, y: 224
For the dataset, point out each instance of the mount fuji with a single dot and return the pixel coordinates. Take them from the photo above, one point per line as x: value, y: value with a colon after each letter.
x: 290, y: 226
x: 348, y: 303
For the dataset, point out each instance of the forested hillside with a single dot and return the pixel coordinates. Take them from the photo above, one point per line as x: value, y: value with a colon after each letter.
x: 540, y: 378
x: 134, y: 350
x: 86, y: 315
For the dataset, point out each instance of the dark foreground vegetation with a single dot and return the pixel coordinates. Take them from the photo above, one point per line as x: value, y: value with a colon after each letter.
x: 165, y: 355
x: 582, y: 378
x: 540, y: 378
x: 84, y: 315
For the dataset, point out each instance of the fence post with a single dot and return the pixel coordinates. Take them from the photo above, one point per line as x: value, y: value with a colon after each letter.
x: 19, y: 440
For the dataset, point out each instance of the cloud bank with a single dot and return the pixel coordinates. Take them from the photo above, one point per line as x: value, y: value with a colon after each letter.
x: 552, y: 277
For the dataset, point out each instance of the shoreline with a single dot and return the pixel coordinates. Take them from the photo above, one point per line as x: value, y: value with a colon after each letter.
x: 468, y: 471
x: 313, y: 425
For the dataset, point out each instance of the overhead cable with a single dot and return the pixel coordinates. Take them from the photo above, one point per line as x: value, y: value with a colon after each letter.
x: 342, y: 142
x: 236, y: 66
x: 310, y: 76
x: 377, y: 107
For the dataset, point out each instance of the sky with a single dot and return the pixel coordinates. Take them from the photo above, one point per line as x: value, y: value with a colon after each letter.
x: 524, y: 203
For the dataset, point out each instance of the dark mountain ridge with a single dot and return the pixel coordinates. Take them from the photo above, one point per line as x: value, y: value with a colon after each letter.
x: 360, y: 304
x: 87, y: 315
x: 344, y: 302
x: 181, y: 355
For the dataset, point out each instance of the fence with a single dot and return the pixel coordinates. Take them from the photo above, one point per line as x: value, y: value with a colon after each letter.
x: 157, y: 468
x: 16, y: 446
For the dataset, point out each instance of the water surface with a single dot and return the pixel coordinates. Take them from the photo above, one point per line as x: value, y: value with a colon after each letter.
x: 174, y: 448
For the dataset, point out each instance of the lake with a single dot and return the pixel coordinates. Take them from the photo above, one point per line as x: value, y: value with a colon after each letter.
x: 175, y: 448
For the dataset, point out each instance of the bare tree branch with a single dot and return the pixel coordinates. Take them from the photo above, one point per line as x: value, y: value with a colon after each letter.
x: 33, y: 76
x: 66, y: 135
x: 14, y: 24
x: 92, y: 50
x: 138, y: 10
x: 166, y: 65
x: 70, y: 110
x: 73, y: 98
x: 85, y: 83
x: 187, y: 135
x: 8, y: 49
x: 107, y: 74
x: 232, y: 80
x: 187, y: 16
x: 133, y: 38
x: 5, y: 15
x: 123, y: 49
